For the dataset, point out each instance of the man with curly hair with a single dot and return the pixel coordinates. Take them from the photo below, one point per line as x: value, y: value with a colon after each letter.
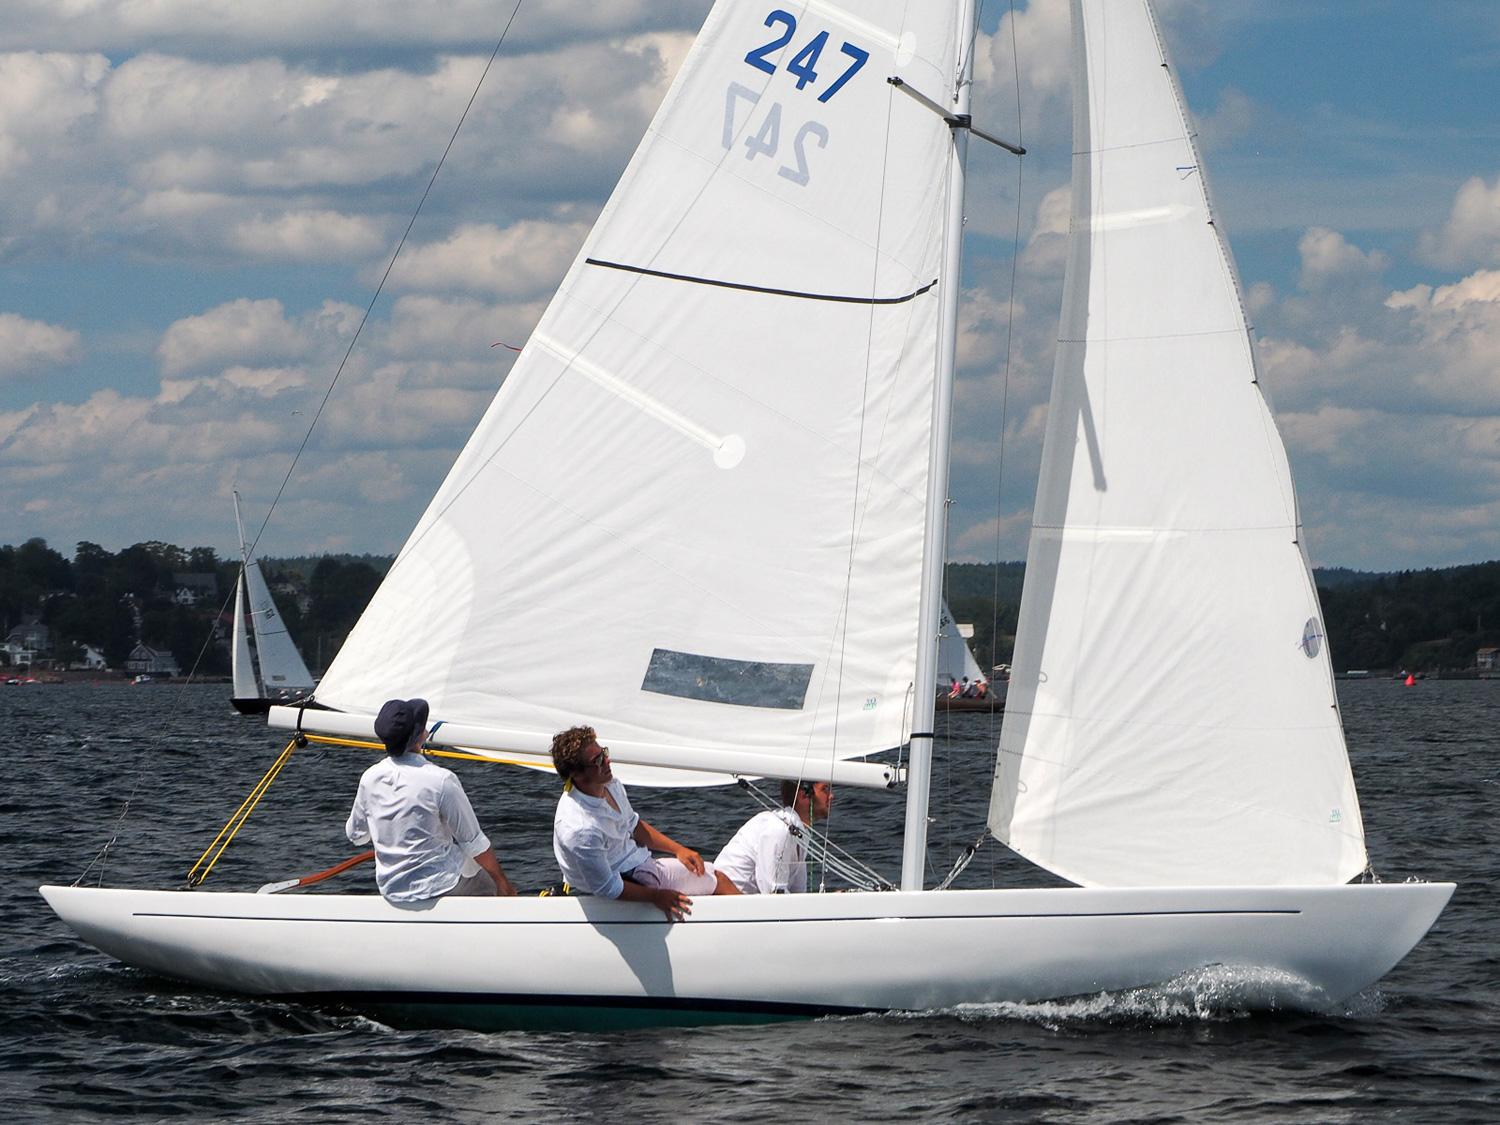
x: 604, y: 847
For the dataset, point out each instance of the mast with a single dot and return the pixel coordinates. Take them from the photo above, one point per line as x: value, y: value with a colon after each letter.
x: 934, y: 551
x: 240, y: 525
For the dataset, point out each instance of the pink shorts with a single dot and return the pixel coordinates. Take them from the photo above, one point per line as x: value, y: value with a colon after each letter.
x: 671, y: 873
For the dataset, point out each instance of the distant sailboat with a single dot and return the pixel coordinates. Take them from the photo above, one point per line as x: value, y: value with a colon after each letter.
x: 274, y: 671
x: 956, y: 664
x: 770, y: 298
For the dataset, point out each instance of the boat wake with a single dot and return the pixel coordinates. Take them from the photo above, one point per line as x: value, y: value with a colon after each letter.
x: 1220, y: 993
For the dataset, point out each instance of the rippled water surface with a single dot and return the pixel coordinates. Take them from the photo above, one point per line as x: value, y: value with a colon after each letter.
x: 84, y: 1038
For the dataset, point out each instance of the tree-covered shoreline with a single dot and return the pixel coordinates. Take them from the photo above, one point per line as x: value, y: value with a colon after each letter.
x: 179, y: 600
x: 173, y: 599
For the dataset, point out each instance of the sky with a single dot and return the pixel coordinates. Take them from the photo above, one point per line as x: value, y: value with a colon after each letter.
x: 198, y: 199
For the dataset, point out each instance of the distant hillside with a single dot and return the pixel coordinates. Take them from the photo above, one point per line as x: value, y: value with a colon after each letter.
x: 1339, y: 577
x: 174, y: 598
x: 1420, y: 621
x: 304, y: 565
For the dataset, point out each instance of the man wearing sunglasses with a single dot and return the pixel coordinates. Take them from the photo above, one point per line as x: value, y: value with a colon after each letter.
x: 604, y: 847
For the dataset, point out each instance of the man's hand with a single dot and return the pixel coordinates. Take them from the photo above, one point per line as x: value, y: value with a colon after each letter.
x: 690, y: 859
x: 491, y: 866
x: 674, y: 904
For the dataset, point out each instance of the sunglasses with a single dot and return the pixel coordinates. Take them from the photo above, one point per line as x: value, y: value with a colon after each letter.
x: 598, y: 759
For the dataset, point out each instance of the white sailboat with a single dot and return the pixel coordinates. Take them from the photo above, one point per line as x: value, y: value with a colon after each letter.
x: 275, y: 672
x: 956, y: 664
x: 769, y: 298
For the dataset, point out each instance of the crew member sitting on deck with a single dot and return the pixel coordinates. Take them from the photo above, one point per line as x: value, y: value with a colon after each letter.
x: 768, y: 855
x: 604, y: 847
x: 427, y: 840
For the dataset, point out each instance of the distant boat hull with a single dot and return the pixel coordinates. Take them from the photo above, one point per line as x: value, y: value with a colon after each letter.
x: 990, y: 704
x: 475, y: 962
x: 260, y: 706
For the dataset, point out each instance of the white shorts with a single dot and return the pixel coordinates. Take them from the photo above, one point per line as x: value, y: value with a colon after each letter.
x: 471, y: 886
x: 672, y: 874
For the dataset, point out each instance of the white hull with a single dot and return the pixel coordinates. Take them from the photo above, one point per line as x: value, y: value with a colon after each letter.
x: 489, y: 962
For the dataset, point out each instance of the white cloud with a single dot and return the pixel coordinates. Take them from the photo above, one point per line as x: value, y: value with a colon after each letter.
x: 523, y: 260
x: 1041, y: 34
x: 249, y: 332
x: 1328, y: 260
x: 458, y: 328
x: 225, y: 28
x: 26, y: 346
x: 308, y: 236
x: 1471, y: 236
x: 275, y: 159
x: 46, y: 95
x: 1235, y: 116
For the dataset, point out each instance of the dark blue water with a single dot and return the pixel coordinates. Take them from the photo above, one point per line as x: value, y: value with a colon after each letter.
x: 84, y: 1038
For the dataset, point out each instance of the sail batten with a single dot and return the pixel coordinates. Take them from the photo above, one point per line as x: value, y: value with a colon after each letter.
x: 1171, y: 717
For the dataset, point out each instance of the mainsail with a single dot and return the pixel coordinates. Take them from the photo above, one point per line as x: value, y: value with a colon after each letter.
x: 281, y: 665
x: 703, y: 484
x: 1172, y: 716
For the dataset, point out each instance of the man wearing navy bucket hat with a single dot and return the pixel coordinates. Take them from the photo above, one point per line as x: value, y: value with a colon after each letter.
x: 427, y: 840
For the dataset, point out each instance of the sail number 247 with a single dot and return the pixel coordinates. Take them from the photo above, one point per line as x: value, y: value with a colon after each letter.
x: 804, y: 67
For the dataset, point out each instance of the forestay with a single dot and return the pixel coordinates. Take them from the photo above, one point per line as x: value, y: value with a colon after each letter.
x: 692, y: 516
x: 1171, y: 716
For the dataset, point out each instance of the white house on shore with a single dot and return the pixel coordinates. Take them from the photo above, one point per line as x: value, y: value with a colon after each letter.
x: 92, y: 660
x: 144, y: 659
x: 25, y: 643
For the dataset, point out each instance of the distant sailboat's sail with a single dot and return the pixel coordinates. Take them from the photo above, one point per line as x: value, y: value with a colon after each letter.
x: 693, y: 515
x: 281, y: 666
x: 241, y: 668
x: 955, y: 661
x: 1171, y: 717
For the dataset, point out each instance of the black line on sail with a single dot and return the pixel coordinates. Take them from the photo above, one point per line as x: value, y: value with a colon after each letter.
x: 835, y: 297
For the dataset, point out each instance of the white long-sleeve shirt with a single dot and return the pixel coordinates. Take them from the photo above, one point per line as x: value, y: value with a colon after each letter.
x: 422, y: 825
x: 768, y: 854
x: 595, y: 843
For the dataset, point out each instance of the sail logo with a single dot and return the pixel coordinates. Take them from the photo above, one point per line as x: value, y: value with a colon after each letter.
x: 1335, y: 817
x: 1312, y: 638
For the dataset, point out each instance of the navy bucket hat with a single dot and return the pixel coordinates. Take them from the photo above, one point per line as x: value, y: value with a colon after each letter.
x: 399, y: 721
